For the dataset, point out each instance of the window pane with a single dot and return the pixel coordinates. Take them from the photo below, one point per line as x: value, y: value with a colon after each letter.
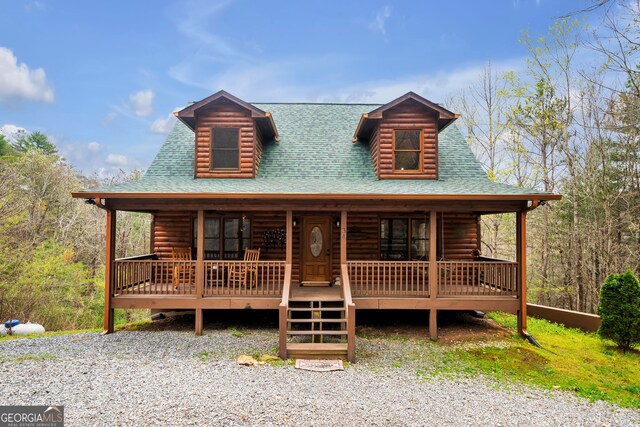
x: 245, y: 228
x: 231, y: 227
x: 419, y: 239
x: 407, y: 160
x: 384, y: 229
x: 231, y: 245
x: 237, y: 237
x: 211, y: 228
x: 225, y: 159
x: 225, y: 138
x: 407, y: 140
x: 211, y: 237
x: 393, y: 239
x: 225, y: 151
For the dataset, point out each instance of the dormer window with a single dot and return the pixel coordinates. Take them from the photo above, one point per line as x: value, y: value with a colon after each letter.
x: 229, y: 136
x: 407, y: 150
x: 403, y: 137
x: 225, y: 149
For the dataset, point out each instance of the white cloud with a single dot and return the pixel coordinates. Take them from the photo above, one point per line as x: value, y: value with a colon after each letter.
x: 117, y: 160
x: 109, y: 118
x: 436, y: 87
x: 35, y: 6
x: 142, y: 102
x: 379, y: 23
x: 216, y: 63
x: 11, y: 132
x: 163, y: 126
x: 93, y: 147
x: 17, y: 81
x: 90, y: 159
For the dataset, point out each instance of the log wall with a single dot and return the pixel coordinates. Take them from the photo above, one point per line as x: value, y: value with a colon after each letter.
x: 225, y: 114
x: 259, y: 148
x: 460, y: 236
x: 460, y: 232
x: 408, y: 115
x: 171, y: 230
x: 374, y: 147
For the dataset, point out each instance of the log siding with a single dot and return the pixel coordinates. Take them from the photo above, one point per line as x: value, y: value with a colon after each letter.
x: 406, y: 116
x: 230, y: 115
x: 458, y: 235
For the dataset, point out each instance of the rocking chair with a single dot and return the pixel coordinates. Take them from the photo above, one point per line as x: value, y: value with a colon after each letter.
x: 245, y: 273
x: 183, y: 272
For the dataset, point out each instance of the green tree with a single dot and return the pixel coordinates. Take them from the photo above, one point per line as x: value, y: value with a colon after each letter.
x: 34, y: 141
x: 5, y: 148
x: 619, y: 310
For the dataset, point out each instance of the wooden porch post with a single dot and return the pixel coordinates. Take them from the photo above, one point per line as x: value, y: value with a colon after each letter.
x: 152, y: 237
x: 284, y: 304
x: 521, y: 258
x: 200, y: 270
x: 343, y: 238
x: 433, y: 275
x: 109, y: 270
x: 289, y: 250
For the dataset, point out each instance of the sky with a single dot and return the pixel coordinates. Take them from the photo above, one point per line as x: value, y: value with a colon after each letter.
x: 102, y: 78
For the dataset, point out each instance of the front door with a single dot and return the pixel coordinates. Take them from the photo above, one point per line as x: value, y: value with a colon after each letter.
x: 316, y: 249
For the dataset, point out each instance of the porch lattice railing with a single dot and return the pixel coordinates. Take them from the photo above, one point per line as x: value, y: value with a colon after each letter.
x: 465, y: 278
x: 389, y: 278
x: 488, y: 277
x: 244, y: 278
x: 145, y: 275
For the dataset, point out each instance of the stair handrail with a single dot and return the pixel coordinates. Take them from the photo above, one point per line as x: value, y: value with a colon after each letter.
x: 284, y: 305
x: 351, y: 313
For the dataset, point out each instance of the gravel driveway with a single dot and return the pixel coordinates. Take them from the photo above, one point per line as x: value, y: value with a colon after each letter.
x: 176, y: 378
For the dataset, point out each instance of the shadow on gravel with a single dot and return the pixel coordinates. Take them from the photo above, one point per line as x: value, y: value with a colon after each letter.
x: 453, y: 326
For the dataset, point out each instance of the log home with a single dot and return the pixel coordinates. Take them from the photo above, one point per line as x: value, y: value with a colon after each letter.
x: 316, y: 210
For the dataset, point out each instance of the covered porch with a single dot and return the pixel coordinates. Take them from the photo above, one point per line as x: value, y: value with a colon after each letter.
x: 353, y: 267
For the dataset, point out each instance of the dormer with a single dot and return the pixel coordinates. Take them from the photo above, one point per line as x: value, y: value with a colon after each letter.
x: 403, y: 137
x: 229, y: 136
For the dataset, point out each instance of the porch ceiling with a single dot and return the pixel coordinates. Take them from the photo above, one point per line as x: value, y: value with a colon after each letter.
x: 330, y: 203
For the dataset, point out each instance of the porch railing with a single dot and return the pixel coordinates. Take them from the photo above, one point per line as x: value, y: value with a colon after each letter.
x: 389, y: 278
x: 491, y: 278
x: 244, y: 278
x: 486, y: 276
x: 145, y: 275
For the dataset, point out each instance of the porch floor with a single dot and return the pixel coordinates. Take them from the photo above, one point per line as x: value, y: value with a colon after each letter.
x: 316, y: 293
x: 148, y: 288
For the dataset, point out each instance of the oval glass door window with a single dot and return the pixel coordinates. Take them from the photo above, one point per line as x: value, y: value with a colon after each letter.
x: 315, y: 241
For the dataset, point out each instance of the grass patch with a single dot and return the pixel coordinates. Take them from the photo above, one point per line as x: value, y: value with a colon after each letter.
x: 140, y: 325
x: 569, y: 360
x: 236, y: 332
x: 48, y: 334
x: 204, y: 355
x: 36, y: 357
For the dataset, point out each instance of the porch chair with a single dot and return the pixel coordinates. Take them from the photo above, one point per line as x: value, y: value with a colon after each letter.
x: 246, y: 272
x: 182, y: 273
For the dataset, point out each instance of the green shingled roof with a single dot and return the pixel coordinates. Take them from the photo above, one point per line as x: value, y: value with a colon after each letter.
x: 315, y: 155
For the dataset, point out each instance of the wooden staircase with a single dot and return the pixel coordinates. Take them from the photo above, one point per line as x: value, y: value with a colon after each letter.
x: 317, y: 323
x: 317, y: 328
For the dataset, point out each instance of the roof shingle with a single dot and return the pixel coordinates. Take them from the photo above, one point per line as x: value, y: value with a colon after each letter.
x: 315, y: 155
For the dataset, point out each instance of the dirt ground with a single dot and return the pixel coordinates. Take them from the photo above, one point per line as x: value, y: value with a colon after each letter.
x: 453, y: 326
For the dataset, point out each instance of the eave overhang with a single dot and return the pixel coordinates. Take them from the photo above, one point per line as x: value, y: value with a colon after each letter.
x: 369, y: 120
x: 319, y: 196
x: 263, y: 118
